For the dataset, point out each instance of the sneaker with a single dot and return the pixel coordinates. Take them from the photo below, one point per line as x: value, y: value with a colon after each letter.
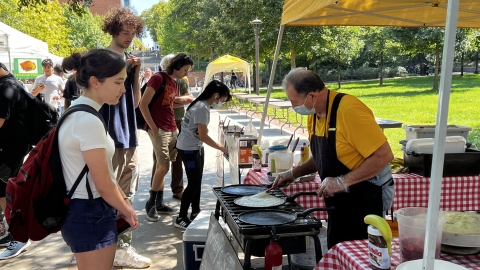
x: 182, y: 222
x: 151, y: 212
x: 178, y: 195
x: 165, y: 209
x: 14, y: 249
x: 130, y: 258
x: 5, y: 240
x: 194, y: 215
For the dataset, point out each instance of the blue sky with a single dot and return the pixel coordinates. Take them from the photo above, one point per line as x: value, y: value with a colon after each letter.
x: 141, y: 5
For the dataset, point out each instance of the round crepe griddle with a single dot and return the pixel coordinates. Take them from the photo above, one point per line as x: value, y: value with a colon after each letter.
x: 280, y: 202
x: 267, y: 217
x: 244, y: 190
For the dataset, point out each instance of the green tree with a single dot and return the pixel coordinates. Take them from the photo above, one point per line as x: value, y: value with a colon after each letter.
x: 86, y: 32
x: 44, y: 21
x: 423, y: 40
x: 342, y: 44
x: 77, y: 6
x: 382, y: 45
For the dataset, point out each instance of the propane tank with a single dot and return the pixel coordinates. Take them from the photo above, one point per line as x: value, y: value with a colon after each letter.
x: 273, y: 253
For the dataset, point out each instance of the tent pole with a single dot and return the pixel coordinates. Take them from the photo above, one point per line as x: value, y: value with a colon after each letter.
x: 270, y: 82
x: 440, y: 134
x: 9, y: 57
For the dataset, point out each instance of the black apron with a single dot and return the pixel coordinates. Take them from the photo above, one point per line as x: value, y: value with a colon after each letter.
x: 346, y: 221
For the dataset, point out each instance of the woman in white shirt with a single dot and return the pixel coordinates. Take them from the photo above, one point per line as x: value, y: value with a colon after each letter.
x: 90, y: 227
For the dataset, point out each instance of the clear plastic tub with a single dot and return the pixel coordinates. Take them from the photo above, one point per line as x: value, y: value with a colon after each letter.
x: 283, y: 161
x: 412, y: 223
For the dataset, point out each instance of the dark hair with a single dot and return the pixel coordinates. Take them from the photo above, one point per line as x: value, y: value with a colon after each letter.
x: 100, y: 63
x: 118, y: 17
x: 47, y: 62
x: 3, y: 66
x: 180, y: 60
x: 303, y: 81
x: 58, y: 68
x: 72, y: 61
x: 212, y: 88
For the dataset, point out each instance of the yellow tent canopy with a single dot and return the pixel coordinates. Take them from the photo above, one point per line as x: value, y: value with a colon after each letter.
x: 401, y: 13
x: 228, y: 63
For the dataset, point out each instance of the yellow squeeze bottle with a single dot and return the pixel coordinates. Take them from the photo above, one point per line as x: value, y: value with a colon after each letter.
x: 304, y: 153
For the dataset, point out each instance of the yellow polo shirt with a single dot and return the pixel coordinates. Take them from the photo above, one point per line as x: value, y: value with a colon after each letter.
x: 358, y: 134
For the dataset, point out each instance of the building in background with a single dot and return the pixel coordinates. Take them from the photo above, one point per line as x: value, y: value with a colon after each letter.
x: 100, y: 7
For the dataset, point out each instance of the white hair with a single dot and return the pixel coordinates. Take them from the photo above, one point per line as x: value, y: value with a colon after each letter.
x: 166, y: 60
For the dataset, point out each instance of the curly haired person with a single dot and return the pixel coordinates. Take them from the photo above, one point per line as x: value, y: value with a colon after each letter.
x: 123, y: 25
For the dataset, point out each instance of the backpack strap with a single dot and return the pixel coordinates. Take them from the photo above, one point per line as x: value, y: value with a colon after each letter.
x: 70, y: 110
x: 159, y: 91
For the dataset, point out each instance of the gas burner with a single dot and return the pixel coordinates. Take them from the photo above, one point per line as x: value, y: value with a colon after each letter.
x: 253, y: 239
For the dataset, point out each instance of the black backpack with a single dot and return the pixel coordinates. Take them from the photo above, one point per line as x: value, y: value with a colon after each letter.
x: 41, y: 117
x: 141, y: 123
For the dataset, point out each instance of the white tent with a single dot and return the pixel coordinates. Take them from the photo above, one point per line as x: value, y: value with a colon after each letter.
x: 15, y: 44
x: 227, y: 63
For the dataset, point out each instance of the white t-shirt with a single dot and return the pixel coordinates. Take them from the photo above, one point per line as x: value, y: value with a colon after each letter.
x: 52, y: 83
x: 82, y: 131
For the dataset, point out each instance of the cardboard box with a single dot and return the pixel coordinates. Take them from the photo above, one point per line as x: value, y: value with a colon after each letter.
x: 245, y: 157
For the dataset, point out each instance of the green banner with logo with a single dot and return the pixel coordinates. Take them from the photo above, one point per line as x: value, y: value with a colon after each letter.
x: 27, y: 67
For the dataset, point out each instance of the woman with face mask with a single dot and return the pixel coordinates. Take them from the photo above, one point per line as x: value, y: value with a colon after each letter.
x: 190, y: 145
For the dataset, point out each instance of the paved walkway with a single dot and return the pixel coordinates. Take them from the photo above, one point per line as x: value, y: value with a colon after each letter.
x: 160, y: 241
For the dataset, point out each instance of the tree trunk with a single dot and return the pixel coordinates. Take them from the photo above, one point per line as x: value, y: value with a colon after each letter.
x: 476, y: 64
x: 338, y: 71
x: 381, y: 68
x: 437, y: 68
x: 293, y: 64
x: 221, y: 77
x: 267, y: 66
x: 461, y: 64
x: 314, y: 62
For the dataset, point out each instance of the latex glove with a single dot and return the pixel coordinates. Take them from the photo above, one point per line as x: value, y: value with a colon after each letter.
x: 284, y: 179
x: 332, y: 185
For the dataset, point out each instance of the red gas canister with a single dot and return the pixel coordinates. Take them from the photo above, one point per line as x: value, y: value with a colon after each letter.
x: 273, y: 256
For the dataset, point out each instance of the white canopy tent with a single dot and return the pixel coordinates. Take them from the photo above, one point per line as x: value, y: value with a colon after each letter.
x: 16, y: 44
x: 411, y: 13
x: 226, y: 63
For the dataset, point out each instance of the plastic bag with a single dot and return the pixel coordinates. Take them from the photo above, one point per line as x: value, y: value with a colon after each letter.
x: 251, y: 130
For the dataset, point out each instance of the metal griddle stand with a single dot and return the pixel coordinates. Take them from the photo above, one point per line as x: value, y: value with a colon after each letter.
x: 247, y: 264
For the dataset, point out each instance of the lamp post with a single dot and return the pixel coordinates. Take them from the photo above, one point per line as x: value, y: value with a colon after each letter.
x: 256, y: 29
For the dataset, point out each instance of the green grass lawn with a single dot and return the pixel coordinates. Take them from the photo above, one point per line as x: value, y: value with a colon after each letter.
x: 412, y: 102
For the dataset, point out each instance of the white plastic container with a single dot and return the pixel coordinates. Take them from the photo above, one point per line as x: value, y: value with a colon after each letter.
x: 194, y: 239
x: 453, y: 144
x: 283, y: 161
x: 428, y: 131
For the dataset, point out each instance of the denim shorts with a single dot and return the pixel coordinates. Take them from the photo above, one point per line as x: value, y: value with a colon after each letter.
x: 88, y: 226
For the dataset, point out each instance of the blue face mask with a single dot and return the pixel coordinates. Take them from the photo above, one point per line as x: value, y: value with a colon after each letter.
x: 302, y: 109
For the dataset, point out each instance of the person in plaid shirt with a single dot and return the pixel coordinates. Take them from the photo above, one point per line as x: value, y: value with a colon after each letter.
x: 349, y: 151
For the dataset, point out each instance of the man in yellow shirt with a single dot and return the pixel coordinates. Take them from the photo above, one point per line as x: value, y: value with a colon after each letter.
x: 349, y: 151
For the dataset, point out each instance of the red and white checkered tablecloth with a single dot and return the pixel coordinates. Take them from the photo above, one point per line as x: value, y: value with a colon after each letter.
x: 353, y: 255
x: 459, y: 193
x: 307, y: 201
